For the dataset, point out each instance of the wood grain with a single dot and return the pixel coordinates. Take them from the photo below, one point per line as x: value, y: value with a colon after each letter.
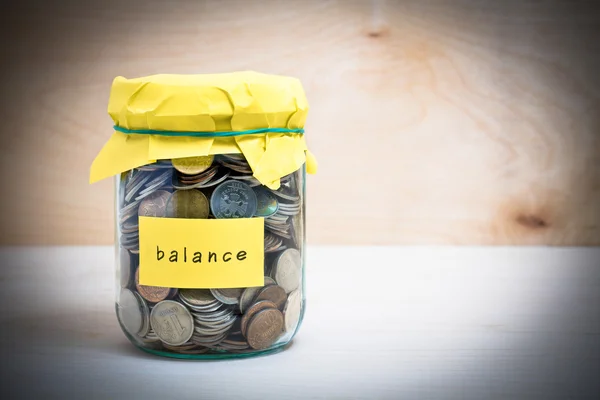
x: 465, y: 122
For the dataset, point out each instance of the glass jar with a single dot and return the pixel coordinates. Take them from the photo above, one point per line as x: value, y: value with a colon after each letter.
x: 210, y: 214
x: 211, y: 322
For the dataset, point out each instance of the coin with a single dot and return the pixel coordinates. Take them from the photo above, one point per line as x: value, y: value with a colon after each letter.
x: 247, y: 297
x: 210, y: 308
x: 173, y: 293
x: 287, y: 270
x: 267, y: 203
x: 129, y: 312
x: 273, y: 293
x: 187, y: 204
x: 125, y: 267
x: 153, y: 294
x: 172, y: 322
x: 181, y: 348
x: 222, y: 320
x: 297, y: 230
x: 154, y: 205
x: 154, y: 185
x: 227, y: 296
x: 291, y: 311
x: 264, y: 328
x: 233, y: 199
x: 145, y: 315
x: 256, y: 307
x: 214, y: 329
x: 286, y: 194
x: 135, y: 189
x: 269, y: 281
x: 192, y: 165
x: 208, y: 341
x: 213, y: 315
x: 130, y: 226
x: 197, y: 297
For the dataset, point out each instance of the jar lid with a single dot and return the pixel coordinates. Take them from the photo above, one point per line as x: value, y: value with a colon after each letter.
x: 175, y: 116
x: 237, y: 101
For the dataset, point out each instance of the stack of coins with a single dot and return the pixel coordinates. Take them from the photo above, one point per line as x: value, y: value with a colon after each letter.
x: 199, y: 321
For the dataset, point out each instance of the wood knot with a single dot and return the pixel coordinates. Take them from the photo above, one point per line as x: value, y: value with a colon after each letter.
x: 531, y: 221
x: 378, y: 32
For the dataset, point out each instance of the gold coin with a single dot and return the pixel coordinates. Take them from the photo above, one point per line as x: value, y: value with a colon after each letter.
x: 192, y: 165
x: 187, y: 204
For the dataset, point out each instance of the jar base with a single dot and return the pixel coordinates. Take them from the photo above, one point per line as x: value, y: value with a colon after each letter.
x: 218, y: 356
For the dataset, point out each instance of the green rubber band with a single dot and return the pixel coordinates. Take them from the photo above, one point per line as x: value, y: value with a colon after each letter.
x: 206, y: 134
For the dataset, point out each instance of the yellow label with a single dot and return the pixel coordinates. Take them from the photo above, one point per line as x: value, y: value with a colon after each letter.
x: 201, y: 253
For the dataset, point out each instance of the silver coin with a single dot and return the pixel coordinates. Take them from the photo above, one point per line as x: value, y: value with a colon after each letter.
x: 233, y: 199
x: 287, y: 270
x: 288, y: 213
x: 197, y: 350
x: 183, y: 347
x: 298, y: 230
x: 208, y: 340
x: 277, y: 218
x: 282, y: 234
x: 269, y: 281
x: 247, y: 297
x: 134, y: 190
x: 212, y: 308
x: 217, y: 324
x: 125, y: 267
x: 277, y: 228
x: 291, y: 311
x: 129, y: 311
x: 151, y: 335
x: 197, y: 297
x: 162, y: 177
x: 227, y: 296
x: 145, y: 315
x: 129, y: 238
x: 203, y: 330
x: 152, y: 187
x: 129, y: 211
x: 212, y: 316
x: 130, y: 226
x: 133, y: 178
x: 227, y: 346
x: 172, y: 322
x: 285, y: 194
x: 289, y: 206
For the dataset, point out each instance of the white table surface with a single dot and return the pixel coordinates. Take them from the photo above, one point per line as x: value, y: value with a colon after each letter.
x: 381, y: 323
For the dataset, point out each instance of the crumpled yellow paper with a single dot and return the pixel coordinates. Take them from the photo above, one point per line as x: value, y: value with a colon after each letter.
x: 236, y: 101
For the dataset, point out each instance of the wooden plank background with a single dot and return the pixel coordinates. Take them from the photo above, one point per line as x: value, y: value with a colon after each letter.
x: 450, y: 122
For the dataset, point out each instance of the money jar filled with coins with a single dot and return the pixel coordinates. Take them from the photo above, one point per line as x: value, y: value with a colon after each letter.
x: 210, y: 211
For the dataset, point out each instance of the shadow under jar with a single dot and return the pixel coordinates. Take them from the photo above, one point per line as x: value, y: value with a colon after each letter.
x: 211, y: 322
